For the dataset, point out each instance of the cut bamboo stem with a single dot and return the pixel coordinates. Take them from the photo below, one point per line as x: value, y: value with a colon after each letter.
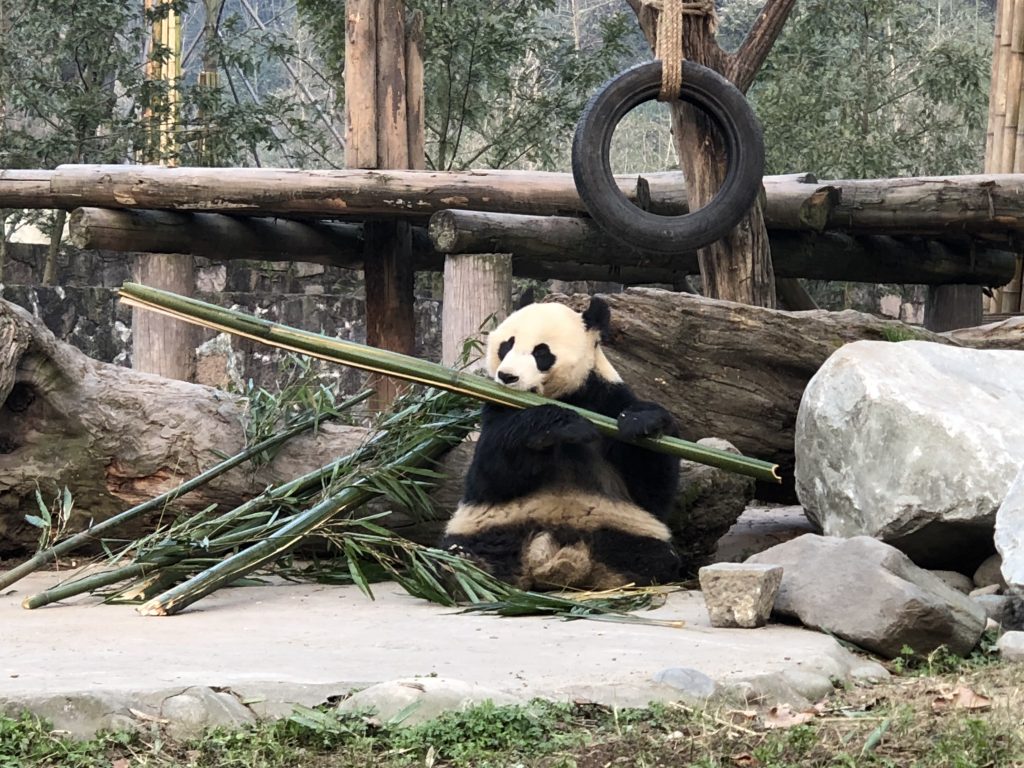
x: 287, y: 538
x: 93, y: 532
x: 415, y: 370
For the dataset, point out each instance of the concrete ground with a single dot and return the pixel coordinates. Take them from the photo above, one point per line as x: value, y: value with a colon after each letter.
x: 255, y: 651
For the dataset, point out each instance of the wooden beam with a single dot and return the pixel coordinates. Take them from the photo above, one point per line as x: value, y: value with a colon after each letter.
x: 479, y: 288
x: 826, y: 256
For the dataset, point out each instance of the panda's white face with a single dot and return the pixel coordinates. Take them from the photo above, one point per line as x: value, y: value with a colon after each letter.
x: 547, y: 349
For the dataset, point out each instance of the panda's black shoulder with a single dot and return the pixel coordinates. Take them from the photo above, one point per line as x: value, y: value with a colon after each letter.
x: 601, y: 395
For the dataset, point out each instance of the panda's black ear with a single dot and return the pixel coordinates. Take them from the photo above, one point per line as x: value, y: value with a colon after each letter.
x: 526, y: 299
x: 597, y: 317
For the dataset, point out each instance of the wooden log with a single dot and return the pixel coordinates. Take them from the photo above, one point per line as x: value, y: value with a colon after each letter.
x: 542, y: 247
x: 164, y: 345
x: 828, y: 256
x: 392, y: 124
x: 360, y: 83
x: 414, y: 79
x: 218, y: 236
x: 120, y: 436
x: 479, y: 287
x: 991, y: 205
x: 730, y: 370
x: 355, y: 193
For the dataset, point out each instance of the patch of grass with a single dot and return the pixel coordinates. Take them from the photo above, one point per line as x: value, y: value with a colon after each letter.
x: 906, y: 722
x: 942, y: 661
x: 899, y: 333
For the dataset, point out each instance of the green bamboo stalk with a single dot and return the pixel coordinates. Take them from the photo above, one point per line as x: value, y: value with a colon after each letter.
x: 286, y: 538
x: 94, y: 531
x: 412, y: 369
x: 75, y: 587
x: 166, y: 555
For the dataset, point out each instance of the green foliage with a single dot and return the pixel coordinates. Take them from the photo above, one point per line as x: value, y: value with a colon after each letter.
x: 505, y: 82
x: 943, y: 661
x: 874, y: 88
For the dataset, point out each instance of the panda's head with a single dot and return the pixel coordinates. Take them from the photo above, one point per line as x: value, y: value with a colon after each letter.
x: 550, y: 349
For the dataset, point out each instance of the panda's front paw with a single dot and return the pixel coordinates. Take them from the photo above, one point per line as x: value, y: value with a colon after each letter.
x: 645, y: 420
x: 557, y: 425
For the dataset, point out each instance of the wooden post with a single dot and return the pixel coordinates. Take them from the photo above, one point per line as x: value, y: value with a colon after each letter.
x: 949, y: 307
x: 161, y: 344
x: 414, y: 40
x: 477, y: 288
x: 739, y: 266
x: 378, y: 137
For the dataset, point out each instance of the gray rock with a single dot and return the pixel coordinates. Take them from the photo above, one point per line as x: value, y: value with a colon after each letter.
x: 710, y: 501
x: 988, y: 573
x: 739, y: 594
x: 991, y: 589
x: 871, y: 594
x: 760, y: 528
x: 1009, y: 535
x: 419, y: 699
x: 934, y: 488
x: 691, y: 683
x: 1006, y: 610
x: 1011, y: 646
x: 195, y: 709
x: 956, y: 580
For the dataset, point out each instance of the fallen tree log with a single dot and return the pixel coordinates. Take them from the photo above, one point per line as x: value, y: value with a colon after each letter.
x: 116, y: 437
x: 826, y: 256
x: 731, y: 370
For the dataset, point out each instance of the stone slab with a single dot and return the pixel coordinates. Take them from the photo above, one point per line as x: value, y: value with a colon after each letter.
x: 272, y: 646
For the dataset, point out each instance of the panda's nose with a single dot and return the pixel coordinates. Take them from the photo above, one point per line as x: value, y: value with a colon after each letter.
x: 507, y: 378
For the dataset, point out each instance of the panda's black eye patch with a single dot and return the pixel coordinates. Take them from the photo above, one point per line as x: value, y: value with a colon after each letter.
x: 505, y: 347
x: 542, y: 354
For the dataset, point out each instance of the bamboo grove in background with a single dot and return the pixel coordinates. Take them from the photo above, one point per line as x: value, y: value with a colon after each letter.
x: 1004, y: 145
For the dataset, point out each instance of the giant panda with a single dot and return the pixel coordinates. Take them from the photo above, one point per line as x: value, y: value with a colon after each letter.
x: 548, y: 501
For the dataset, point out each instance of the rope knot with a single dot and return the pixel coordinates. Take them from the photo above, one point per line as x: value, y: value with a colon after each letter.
x: 669, y: 43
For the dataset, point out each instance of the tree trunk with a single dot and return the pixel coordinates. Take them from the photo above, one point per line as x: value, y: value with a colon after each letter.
x: 739, y: 266
x: 50, y: 268
x: 116, y: 437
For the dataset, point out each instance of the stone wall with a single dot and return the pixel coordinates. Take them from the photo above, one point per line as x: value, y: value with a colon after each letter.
x: 83, y: 310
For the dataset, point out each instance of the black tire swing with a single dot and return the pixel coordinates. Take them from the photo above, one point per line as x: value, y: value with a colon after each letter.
x: 634, y: 227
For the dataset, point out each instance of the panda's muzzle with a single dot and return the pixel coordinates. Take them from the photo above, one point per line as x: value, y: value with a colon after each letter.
x: 507, y: 378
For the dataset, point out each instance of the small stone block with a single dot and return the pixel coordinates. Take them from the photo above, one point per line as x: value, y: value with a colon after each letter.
x: 740, y: 594
x: 1011, y: 646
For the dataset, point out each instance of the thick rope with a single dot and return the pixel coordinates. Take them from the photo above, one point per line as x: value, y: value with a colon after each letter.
x: 669, y: 44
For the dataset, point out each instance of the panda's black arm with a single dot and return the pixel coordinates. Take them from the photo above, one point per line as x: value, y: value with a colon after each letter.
x: 651, y: 478
x: 515, y: 454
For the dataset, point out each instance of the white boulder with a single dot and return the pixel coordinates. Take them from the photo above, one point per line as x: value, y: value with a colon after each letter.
x: 913, y: 443
x: 1010, y: 535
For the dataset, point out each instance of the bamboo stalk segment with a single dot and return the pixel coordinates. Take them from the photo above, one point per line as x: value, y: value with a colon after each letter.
x: 412, y: 369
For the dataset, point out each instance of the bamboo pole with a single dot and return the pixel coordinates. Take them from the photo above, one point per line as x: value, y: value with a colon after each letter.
x: 412, y: 369
x: 287, y: 538
x: 93, y: 532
